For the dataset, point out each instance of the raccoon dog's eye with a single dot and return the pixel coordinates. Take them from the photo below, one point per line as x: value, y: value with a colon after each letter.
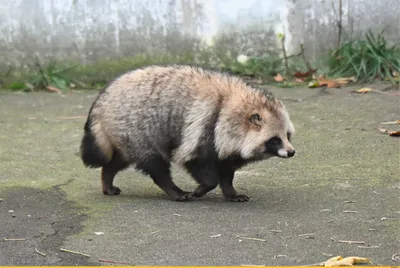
x: 254, y: 118
x: 274, y: 141
x: 289, y: 136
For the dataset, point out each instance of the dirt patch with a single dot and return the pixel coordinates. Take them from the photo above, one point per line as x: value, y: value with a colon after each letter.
x: 44, y: 218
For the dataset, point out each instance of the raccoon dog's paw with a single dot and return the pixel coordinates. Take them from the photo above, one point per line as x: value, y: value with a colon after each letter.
x: 237, y: 198
x: 184, y: 196
x: 113, y: 190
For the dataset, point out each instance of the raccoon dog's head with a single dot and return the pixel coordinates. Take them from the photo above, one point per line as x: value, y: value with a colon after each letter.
x: 260, y: 128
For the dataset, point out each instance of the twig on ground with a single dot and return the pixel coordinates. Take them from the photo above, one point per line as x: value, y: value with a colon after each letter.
x: 276, y: 231
x: 217, y: 235
x: 74, y: 252
x: 326, y: 254
x: 395, y: 256
x: 349, y: 211
x: 251, y: 238
x: 311, y: 234
x: 314, y: 264
x: 391, y: 123
x: 379, y: 92
x: 279, y: 256
x: 386, y: 93
x: 368, y: 247
x: 40, y: 253
x: 325, y: 210
x: 351, y: 242
x: 115, y: 262
x: 14, y: 239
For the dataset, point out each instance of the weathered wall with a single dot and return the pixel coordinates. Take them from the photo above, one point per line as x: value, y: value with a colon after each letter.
x: 314, y: 22
x: 94, y: 29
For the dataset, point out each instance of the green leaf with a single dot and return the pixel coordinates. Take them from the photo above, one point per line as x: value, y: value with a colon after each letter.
x: 59, y: 83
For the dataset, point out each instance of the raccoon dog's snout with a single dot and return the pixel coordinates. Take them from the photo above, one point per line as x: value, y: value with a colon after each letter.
x: 275, y: 146
x: 286, y: 153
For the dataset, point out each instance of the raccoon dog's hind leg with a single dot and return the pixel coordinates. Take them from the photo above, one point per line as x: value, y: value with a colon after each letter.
x: 159, y: 170
x: 97, y: 151
x: 108, y: 173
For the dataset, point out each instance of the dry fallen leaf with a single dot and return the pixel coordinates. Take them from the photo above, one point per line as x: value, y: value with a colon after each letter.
x: 313, y: 84
x: 53, y: 89
x: 304, y: 75
x: 382, y: 130
x: 336, y: 258
x: 331, y: 83
x: 363, y: 90
x: 328, y: 83
x: 345, y: 80
x: 393, y: 133
x: 278, y: 78
x: 348, y: 261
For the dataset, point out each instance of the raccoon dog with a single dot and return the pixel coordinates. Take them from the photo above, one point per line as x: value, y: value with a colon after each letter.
x: 209, y: 123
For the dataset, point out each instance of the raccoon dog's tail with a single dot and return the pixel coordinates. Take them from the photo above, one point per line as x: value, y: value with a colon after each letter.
x: 96, y: 149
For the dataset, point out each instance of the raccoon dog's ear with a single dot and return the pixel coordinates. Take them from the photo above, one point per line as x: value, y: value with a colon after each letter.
x: 255, y: 118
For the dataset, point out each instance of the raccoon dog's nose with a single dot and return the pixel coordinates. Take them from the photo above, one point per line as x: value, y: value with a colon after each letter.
x: 290, y: 153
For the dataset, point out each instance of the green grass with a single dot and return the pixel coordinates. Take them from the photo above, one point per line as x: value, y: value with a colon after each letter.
x: 65, y: 75
x: 367, y: 60
x: 101, y: 72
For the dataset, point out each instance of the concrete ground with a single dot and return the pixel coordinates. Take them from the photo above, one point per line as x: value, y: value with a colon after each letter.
x: 342, y: 185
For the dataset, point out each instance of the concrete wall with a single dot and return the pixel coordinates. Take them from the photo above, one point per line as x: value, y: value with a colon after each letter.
x: 96, y: 29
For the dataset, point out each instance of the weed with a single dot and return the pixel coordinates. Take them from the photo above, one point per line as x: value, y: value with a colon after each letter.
x: 52, y: 75
x: 367, y: 59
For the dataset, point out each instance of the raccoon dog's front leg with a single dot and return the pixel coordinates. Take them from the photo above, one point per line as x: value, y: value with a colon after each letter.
x: 227, y: 173
x: 205, y: 173
x: 159, y: 171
